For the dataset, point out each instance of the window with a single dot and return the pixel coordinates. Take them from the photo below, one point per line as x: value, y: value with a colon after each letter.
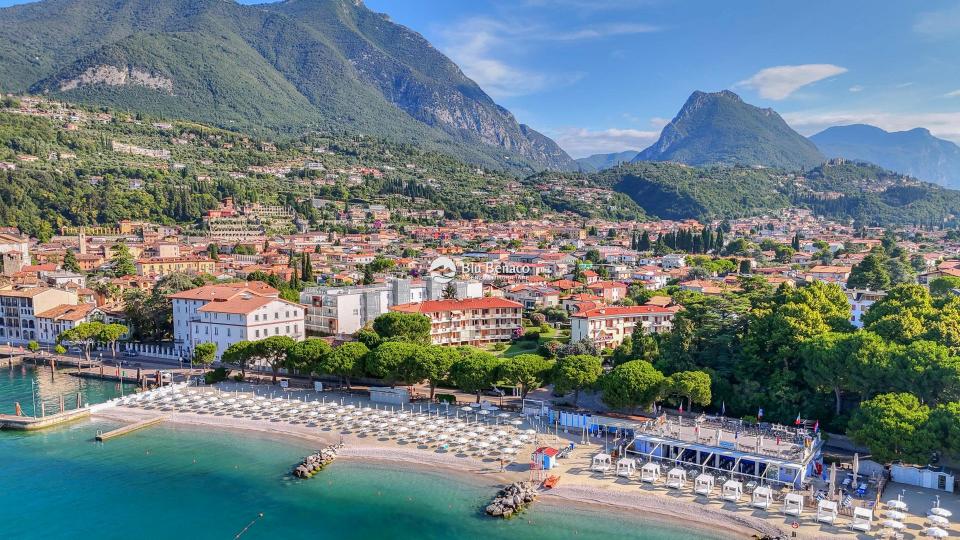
x: 256, y: 333
x: 287, y: 330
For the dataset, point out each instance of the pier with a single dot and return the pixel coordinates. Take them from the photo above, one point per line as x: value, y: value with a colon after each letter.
x: 130, y: 428
x: 29, y: 423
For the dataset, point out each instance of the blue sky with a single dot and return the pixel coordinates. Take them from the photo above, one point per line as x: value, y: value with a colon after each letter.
x: 605, y: 75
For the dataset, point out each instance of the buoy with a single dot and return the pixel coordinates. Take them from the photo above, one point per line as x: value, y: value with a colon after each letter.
x: 795, y: 525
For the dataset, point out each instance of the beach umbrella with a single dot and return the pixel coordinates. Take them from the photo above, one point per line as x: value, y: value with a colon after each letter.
x: 896, y: 514
x: 897, y: 504
x: 502, y: 433
x: 443, y: 437
x: 508, y: 450
x: 942, y: 512
x: 892, y: 524
x: 483, y: 444
x: 516, y: 422
x: 484, y: 412
x: 939, y: 521
x: 936, y: 532
x: 856, y: 468
x: 517, y: 442
x: 466, y: 409
x: 833, y: 478
x: 531, y: 432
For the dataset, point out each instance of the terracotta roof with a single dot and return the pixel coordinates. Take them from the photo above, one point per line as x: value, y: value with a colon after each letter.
x: 434, y: 306
x: 67, y: 312
x: 626, y: 311
x: 225, y: 291
x: 241, y: 303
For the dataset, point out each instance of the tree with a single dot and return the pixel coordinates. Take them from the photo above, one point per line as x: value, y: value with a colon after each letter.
x: 943, y: 427
x: 433, y: 363
x: 576, y: 372
x: 346, y: 360
x: 111, y: 333
x: 83, y: 335
x: 70, y: 262
x: 122, y: 261
x: 528, y: 371
x: 632, y: 384
x: 397, y: 326
x: 213, y: 251
x: 273, y: 351
x: 33, y: 346
x: 944, y: 285
x: 892, y: 427
x: 927, y: 370
x: 870, y: 273
x: 391, y: 361
x: 694, y: 386
x: 827, y: 364
x: 474, y: 371
x: 239, y: 353
x: 204, y: 353
x: 450, y: 292
x: 308, y: 356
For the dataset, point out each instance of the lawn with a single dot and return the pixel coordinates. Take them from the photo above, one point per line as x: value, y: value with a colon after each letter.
x: 528, y: 347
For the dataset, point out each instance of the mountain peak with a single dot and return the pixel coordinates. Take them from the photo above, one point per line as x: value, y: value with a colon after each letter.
x: 719, y: 127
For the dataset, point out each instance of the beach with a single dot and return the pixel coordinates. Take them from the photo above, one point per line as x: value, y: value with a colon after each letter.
x: 577, y: 487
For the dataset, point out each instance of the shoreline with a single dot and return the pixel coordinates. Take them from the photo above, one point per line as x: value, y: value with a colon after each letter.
x: 657, y: 509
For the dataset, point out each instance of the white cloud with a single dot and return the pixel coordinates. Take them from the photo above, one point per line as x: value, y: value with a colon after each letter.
x: 856, y: 88
x: 943, y: 23
x: 478, y: 44
x: 955, y: 93
x: 581, y: 142
x: 942, y: 124
x: 779, y: 82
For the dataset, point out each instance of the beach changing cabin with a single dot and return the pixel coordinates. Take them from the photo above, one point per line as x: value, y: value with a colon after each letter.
x: 601, y: 463
x: 547, y: 457
x: 862, y: 519
x: 626, y: 467
x: 650, y: 472
x: 703, y: 485
x: 676, y: 478
x: 762, y: 497
x: 827, y: 512
x: 732, y: 490
x: 793, y: 504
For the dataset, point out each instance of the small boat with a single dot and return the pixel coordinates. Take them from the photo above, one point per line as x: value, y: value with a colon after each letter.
x: 551, y: 481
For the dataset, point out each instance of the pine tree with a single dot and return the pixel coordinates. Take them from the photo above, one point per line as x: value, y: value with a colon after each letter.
x: 70, y: 262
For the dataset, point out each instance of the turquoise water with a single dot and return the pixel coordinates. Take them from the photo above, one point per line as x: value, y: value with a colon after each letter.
x: 23, y: 383
x: 187, y: 483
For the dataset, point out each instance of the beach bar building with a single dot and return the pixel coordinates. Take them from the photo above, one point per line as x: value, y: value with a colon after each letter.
x: 774, y: 455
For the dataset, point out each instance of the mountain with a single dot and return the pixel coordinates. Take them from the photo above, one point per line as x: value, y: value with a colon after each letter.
x: 915, y: 152
x: 599, y: 162
x: 719, y: 128
x: 286, y: 67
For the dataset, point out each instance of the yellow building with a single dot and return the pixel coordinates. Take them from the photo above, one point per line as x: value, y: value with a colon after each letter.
x: 161, y: 266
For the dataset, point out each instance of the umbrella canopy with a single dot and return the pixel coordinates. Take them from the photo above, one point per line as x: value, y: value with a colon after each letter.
x: 896, y: 514
x: 892, y: 524
x: 897, y: 504
x: 516, y: 422
x: 936, y: 532
x: 943, y: 512
x: 940, y: 521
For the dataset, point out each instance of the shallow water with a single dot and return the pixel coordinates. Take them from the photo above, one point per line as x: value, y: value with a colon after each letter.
x: 189, y: 483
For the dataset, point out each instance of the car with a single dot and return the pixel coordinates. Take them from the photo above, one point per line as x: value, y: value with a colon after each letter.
x: 76, y: 350
x: 130, y: 353
x: 494, y: 391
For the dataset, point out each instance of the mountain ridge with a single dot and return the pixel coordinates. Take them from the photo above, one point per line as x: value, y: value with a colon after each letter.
x: 287, y: 67
x: 915, y: 152
x: 720, y: 128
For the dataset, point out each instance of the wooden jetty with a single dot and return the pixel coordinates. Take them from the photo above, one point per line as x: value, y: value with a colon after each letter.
x: 129, y: 428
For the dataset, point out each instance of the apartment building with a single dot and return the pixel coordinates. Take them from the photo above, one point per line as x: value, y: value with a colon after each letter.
x: 162, y: 266
x: 18, y: 323
x: 226, y: 314
x: 608, y: 326
x: 860, y: 301
x: 472, y: 321
x: 345, y: 310
x: 52, y: 322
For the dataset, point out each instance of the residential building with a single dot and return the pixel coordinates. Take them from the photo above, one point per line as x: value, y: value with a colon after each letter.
x: 162, y: 266
x: 608, y: 326
x: 830, y: 274
x: 226, y: 314
x: 52, y: 322
x: 18, y: 323
x: 345, y: 310
x: 472, y: 321
x: 860, y: 301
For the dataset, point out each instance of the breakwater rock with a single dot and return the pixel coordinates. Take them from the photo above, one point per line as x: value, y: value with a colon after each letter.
x: 316, y: 462
x: 512, y: 499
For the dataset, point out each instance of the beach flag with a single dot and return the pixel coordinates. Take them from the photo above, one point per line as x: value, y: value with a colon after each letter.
x: 798, y: 421
x: 681, y: 408
x: 760, y: 414
x: 816, y: 426
x: 723, y: 408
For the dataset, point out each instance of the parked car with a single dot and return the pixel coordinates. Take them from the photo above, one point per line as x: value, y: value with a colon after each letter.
x: 130, y: 353
x: 494, y: 391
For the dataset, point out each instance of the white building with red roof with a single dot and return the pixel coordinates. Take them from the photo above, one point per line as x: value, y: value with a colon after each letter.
x: 228, y: 313
x: 608, y: 326
x: 472, y: 321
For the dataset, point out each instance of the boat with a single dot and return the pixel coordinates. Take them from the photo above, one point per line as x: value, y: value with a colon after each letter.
x: 551, y: 481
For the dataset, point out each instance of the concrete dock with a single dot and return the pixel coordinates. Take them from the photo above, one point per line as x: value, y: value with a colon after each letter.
x: 29, y: 423
x: 130, y: 428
